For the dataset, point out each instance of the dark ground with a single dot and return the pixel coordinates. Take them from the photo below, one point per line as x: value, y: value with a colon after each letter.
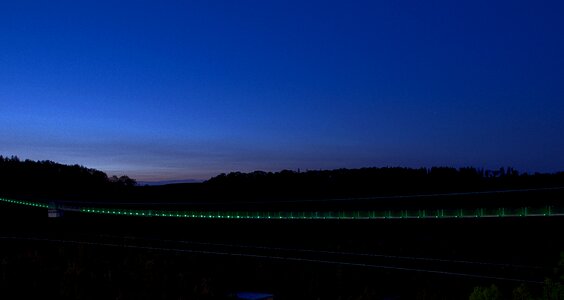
x: 106, y: 257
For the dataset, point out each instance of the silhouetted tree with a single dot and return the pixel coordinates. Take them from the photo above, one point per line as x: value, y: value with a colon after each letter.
x: 486, y: 293
x: 522, y: 292
x: 126, y: 181
x: 47, y: 179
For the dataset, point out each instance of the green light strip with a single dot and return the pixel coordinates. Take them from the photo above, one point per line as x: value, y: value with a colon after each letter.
x: 501, y: 212
x: 27, y: 203
x: 347, y: 215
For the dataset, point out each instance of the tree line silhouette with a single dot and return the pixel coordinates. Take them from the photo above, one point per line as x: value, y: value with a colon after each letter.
x: 367, y: 182
x: 27, y: 178
x: 48, y: 179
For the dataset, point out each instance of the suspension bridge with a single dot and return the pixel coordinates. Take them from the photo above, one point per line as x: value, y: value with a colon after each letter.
x: 56, y: 208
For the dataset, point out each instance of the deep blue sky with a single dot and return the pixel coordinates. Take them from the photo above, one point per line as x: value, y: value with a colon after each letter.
x: 189, y: 89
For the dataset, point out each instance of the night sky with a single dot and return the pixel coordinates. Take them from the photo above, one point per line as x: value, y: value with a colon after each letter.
x: 190, y: 89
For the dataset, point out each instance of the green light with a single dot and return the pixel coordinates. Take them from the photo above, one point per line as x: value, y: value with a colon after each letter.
x: 302, y: 215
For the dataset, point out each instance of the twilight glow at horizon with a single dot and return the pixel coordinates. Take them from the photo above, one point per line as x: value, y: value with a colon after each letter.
x: 187, y: 90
